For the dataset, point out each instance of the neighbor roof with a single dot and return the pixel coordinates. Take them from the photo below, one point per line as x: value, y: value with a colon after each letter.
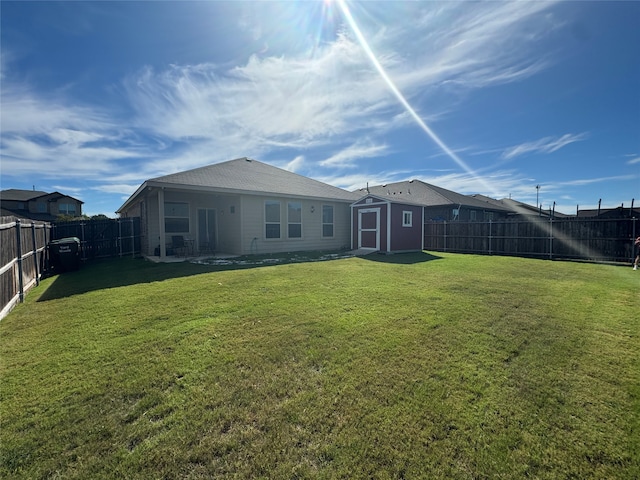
x: 248, y: 176
x: 28, y: 195
x: 20, y: 195
x: 517, y: 207
x: 417, y: 191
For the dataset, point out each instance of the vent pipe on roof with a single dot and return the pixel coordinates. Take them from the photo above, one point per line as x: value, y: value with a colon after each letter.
x: 368, y: 188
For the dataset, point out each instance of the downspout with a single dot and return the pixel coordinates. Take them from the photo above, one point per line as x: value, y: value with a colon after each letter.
x: 351, y: 221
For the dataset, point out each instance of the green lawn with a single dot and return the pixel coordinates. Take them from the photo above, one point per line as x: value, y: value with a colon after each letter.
x: 406, y: 366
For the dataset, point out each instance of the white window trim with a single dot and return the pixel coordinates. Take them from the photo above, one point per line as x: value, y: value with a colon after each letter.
x: 289, y: 222
x: 279, y: 222
x: 188, y: 217
x: 333, y: 221
x: 406, y: 223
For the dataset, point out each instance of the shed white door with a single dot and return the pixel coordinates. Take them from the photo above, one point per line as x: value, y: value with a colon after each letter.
x: 369, y: 228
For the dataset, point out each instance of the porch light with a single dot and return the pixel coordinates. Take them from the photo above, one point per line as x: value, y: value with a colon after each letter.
x: 313, y: 209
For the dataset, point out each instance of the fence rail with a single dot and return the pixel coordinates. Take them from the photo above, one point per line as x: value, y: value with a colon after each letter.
x: 22, y: 258
x: 601, y: 240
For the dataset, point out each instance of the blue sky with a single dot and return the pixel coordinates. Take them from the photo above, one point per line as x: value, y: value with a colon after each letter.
x: 478, y: 97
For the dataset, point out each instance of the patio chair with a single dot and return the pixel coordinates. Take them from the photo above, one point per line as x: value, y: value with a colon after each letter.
x: 179, y: 246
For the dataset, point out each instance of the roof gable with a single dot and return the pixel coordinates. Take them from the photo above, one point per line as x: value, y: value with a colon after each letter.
x: 252, y: 176
x: 421, y: 193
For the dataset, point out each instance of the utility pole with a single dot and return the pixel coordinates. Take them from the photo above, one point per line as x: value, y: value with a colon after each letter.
x: 537, y: 195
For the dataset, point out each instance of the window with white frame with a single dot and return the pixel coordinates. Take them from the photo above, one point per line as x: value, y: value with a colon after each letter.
x: 407, y: 218
x: 473, y: 215
x: 272, y: 219
x: 327, y: 220
x: 176, y: 217
x: 294, y: 220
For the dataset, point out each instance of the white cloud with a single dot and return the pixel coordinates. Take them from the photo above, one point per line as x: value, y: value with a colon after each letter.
x: 362, y: 149
x: 544, y: 145
x: 633, y: 161
x: 295, y: 164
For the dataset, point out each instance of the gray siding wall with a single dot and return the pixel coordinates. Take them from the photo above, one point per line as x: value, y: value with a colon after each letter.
x: 240, y: 223
x: 253, y: 226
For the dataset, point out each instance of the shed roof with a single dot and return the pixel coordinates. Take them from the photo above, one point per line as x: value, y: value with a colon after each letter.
x: 421, y: 193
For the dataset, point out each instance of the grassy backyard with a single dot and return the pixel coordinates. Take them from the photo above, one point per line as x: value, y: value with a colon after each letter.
x: 406, y: 366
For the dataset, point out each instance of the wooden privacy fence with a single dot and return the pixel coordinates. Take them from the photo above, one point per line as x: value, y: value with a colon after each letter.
x: 24, y: 255
x: 601, y: 240
x: 22, y: 258
x: 102, y: 238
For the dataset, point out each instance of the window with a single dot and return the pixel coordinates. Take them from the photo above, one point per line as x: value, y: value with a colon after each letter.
x: 473, y: 215
x: 67, y: 208
x: 327, y: 220
x: 42, y: 207
x: 407, y: 218
x: 294, y: 220
x: 488, y: 215
x: 176, y: 217
x: 272, y: 219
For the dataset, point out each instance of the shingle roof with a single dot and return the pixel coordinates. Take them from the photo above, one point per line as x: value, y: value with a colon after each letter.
x: 417, y: 191
x: 20, y: 195
x: 251, y: 176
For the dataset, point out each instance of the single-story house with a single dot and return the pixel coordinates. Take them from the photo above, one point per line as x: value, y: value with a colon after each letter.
x: 240, y: 207
x: 37, y: 205
x: 387, y: 225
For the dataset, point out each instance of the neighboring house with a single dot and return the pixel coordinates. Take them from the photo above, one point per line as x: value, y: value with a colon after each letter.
x: 439, y: 203
x: 36, y: 205
x: 618, y: 212
x: 241, y: 206
x: 517, y: 208
x: 387, y: 224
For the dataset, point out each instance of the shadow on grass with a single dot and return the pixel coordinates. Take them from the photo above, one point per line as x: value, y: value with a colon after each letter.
x: 402, y: 258
x: 117, y: 272
x: 121, y: 272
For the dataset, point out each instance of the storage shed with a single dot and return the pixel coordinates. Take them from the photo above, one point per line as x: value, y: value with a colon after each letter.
x: 381, y: 224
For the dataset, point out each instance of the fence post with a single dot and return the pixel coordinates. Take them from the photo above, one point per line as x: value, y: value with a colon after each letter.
x: 444, y: 233
x: 120, y: 236
x: 19, y: 253
x: 490, y: 223
x: 133, y: 239
x: 633, y: 239
x: 82, y: 242
x: 550, y: 237
x: 47, y: 228
x: 35, y: 252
